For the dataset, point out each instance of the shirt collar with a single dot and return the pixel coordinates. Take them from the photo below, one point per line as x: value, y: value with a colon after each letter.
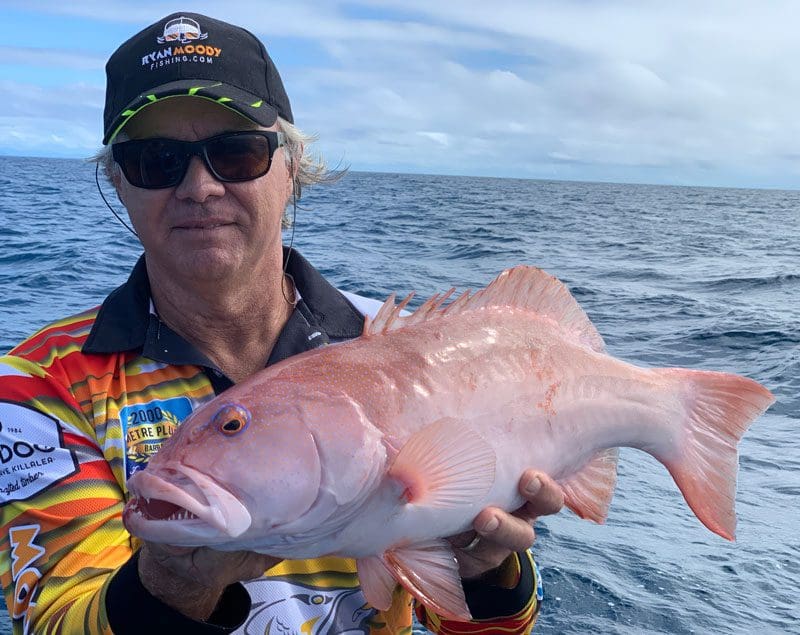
x: 124, y: 321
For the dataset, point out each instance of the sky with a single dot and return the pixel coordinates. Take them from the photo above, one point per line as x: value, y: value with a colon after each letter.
x: 677, y: 92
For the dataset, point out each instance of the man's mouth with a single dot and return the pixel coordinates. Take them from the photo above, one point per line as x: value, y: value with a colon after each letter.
x: 205, y: 224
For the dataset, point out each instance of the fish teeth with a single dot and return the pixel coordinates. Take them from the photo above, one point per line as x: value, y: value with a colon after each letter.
x: 183, y: 514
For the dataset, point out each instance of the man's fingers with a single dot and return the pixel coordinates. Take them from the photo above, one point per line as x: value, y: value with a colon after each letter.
x: 508, y: 531
x: 502, y: 533
x: 543, y: 494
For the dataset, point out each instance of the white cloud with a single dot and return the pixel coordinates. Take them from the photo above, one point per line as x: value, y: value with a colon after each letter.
x: 60, y: 121
x: 78, y: 101
x: 46, y: 136
x: 51, y: 58
x: 440, y: 138
x: 519, y: 87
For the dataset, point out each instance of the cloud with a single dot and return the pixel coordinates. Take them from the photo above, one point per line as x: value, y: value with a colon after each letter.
x: 607, y: 89
x: 60, y: 121
x: 439, y: 138
x: 46, y: 136
x: 51, y: 58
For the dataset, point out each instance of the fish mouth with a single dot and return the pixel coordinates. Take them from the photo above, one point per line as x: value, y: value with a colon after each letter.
x: 182, y: 507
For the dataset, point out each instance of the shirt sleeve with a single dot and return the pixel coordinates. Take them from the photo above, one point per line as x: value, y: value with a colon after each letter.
x: 67, y: 563
x: 494, y: 608
x: 61, y: 532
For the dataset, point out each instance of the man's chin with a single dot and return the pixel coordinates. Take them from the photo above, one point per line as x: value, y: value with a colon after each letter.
x: 207, y: 264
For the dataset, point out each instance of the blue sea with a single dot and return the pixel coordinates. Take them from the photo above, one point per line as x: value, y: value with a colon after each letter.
x: 680, y: 276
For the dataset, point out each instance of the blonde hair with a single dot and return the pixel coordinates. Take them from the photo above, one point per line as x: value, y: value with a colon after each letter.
x: 306, y: 167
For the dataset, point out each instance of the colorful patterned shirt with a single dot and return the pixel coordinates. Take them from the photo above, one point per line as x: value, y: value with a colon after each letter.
x: 85, y: 402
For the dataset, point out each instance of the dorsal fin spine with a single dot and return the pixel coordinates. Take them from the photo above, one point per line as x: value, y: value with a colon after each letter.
x: 522, y: 287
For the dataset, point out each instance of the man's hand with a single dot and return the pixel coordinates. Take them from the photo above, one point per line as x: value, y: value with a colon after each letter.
x: 501, y: 533
x: 191, y: 580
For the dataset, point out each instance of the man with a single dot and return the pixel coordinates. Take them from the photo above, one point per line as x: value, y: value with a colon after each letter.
x: 204, y: 157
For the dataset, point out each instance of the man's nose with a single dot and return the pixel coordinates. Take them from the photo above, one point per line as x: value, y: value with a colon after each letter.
x: 198, y: 183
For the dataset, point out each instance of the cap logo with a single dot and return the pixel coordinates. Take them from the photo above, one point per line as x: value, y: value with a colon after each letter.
x: 181, y: 34
x: 183, y: 30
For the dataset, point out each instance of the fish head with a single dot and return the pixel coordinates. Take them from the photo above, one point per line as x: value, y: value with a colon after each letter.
x: 230, y: 466
x: 240, y: 470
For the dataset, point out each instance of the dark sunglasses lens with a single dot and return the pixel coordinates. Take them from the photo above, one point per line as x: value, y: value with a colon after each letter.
x: 153, y: 163
x: 239, y: 157
x: 161, y: 163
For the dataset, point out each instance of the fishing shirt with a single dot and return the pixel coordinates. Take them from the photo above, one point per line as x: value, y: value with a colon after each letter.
x: 85, y: 403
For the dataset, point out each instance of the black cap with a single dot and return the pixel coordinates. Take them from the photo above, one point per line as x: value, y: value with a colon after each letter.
x: 192, y: 54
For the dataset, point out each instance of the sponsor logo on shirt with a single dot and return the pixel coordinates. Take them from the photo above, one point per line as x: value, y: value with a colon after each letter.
x: 24, y: 553
x: 32, y: 452
x: 287, y: 606
x: 147, y: 426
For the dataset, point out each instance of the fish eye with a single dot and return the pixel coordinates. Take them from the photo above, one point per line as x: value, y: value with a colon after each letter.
x: 231, y: 419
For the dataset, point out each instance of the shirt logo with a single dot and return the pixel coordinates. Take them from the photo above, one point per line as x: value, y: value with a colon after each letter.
x: 183, y: 30
x: 32, y: 453
x: 147, y: 426
x: 281, y: 604
x: 24, y: 553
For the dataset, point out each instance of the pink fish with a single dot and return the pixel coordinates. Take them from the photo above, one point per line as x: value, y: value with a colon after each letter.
x: 377, y: 448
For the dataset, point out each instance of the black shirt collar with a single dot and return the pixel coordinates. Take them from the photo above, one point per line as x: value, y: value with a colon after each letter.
x: 124, y: 321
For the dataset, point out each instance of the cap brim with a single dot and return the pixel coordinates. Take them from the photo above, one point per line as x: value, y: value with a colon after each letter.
x: 246, y: 104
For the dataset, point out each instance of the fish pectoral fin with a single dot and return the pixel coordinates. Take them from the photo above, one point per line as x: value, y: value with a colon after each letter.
x: 377, y: 582
x: 445, y: 464
x: 429, y: 572
x: 589, y: 491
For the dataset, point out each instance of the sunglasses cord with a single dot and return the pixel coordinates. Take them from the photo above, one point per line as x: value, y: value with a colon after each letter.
x: 103, y: 196
x: 286, y: 274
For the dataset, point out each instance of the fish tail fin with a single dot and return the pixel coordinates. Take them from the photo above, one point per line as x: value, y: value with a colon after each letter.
x: 704, y: 462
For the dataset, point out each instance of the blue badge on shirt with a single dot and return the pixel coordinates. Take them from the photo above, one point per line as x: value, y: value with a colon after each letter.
x: 147, y: 426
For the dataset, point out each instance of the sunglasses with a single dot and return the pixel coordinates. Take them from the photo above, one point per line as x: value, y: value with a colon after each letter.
x: 231, y: 157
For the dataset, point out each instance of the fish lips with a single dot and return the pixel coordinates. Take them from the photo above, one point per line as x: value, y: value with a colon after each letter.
x: 203, y: 509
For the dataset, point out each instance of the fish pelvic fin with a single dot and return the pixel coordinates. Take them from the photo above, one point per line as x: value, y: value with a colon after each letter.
x: 588, y: 492
x: 377, y: 582
x: 429, y: 572
x: 721, y: 406
x: 445, y: 464
x: 522, y: 287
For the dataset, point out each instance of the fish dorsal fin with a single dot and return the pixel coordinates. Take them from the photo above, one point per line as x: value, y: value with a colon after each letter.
x: 588, y: 492
x: 389, y: 317
x: 523, y: 287
x: 429, y: 572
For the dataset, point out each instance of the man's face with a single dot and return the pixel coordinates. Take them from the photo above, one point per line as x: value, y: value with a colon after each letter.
x: 204, y: 229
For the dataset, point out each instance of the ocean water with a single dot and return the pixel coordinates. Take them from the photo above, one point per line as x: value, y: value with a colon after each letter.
x: 696, y: 277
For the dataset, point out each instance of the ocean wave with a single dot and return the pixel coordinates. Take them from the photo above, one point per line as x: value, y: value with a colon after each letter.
x: 737, y: 339
x: 697, y: 277
x: 477, y: 251
x: 751, y: 282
